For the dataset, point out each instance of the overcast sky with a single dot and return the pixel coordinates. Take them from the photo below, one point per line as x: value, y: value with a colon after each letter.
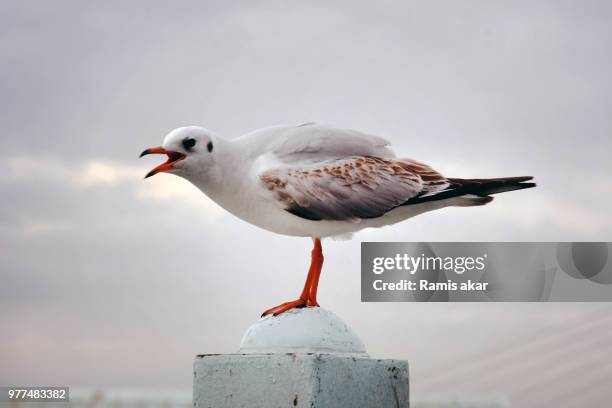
x: 110, y: 280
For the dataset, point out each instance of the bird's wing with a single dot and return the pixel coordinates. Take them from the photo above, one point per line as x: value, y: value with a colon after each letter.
x: 311, y: 142
x: 350, y: 188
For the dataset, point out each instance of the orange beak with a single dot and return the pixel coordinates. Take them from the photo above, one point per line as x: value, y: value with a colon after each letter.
x: 173, y: 157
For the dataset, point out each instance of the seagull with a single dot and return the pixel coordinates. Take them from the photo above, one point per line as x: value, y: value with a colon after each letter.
x: 316, y: 181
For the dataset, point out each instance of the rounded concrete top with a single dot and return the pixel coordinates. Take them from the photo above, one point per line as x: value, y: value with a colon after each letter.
x: 305, y: 330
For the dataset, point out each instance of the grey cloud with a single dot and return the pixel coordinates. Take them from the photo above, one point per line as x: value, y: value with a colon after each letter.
x: 493, y: 88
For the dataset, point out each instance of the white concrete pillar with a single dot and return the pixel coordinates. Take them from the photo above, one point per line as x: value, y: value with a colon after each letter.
x: 302, y: 358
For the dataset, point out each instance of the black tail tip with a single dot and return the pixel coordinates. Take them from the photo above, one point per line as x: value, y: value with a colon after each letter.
x: 519, y: 179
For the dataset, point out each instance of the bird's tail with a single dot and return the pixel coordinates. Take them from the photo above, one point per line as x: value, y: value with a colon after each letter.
x: 470, y: 192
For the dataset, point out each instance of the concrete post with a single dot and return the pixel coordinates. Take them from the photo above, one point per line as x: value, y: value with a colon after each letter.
x: 302, y: 358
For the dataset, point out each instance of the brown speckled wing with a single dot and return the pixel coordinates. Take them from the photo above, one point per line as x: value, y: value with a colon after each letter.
x: 352, y: 188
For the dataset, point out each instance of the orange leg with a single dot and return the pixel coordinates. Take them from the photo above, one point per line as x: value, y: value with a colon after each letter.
x: 309, y: 293
x: 317, y: 255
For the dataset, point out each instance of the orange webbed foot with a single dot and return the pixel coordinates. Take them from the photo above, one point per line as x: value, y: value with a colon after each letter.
x: 293, y: 304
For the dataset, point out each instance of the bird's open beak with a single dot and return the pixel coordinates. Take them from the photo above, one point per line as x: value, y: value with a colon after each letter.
x: 173, y: 157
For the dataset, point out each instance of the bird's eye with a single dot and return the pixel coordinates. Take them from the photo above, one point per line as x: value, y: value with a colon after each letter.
x: 209, y: 146
x: 189, y: 143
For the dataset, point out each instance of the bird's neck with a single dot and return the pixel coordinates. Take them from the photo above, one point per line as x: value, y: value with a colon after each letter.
x: 226, y: 177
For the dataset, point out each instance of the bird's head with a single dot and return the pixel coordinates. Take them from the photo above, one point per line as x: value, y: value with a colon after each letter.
x: 190, y: 150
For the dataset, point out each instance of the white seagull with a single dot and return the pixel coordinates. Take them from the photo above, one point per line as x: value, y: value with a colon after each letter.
x: 316, y: 181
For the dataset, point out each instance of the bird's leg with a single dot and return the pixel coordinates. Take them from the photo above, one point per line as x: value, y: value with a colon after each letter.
x: 312, y: 280
x: 317, y: 260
